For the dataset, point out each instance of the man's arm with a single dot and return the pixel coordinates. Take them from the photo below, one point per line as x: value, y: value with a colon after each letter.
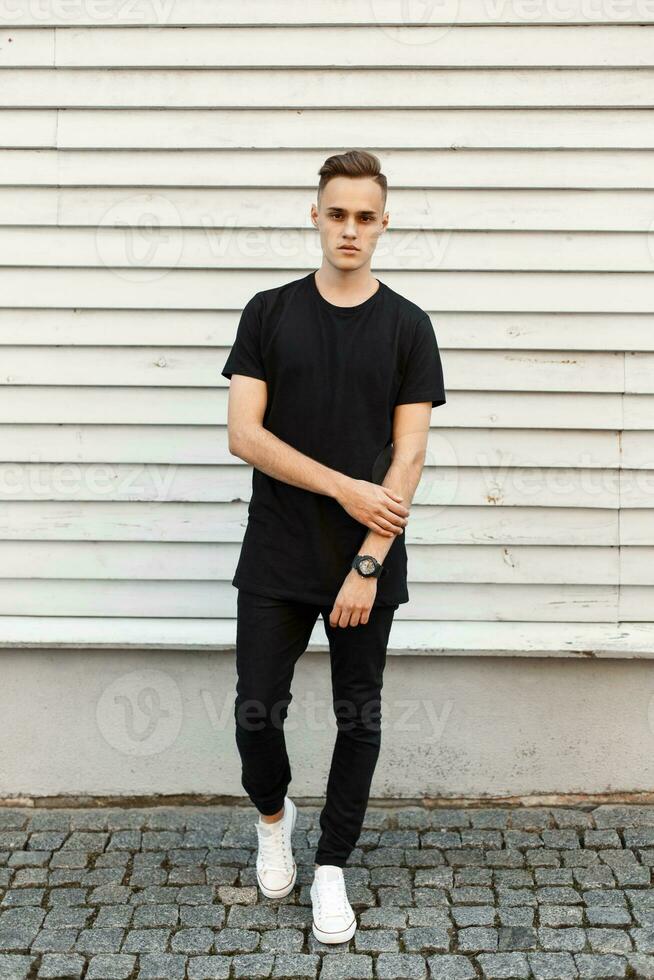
x: 410, y: 432
x: 376, y: 507
x: 261, y: 448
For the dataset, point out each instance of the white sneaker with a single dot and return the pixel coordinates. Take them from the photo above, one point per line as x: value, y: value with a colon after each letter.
x: 276, y: 868
x: 333, y: 918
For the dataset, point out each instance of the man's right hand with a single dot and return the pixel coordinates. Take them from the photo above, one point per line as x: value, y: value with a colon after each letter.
x: 375, y: 506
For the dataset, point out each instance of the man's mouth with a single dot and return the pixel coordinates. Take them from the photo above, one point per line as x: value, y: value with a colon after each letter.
x: 348, y: 248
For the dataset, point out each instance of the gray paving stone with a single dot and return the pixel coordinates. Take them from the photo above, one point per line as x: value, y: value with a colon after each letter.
x: 426, y: 939
x: 475, y: 939
x: 282, y: 941
x: 236, y: 941
x: 496, y: 818
x: 602, y: 916
x: 383, y: 918
x: 496, y: 965
x: 68, y: 917
x: 253, y: 965
x: 552, y: 966
x: 532, y: 818
x: 515, y: 896
x: 208, y: 968
x: 296, y: 965
x: 99, y: 940
x: 413, y: 818
x: 401, y: 966
x: 473, y: 915
x: 451, y: 966
x: 566, y: 939
x: 612, y: 897
x: 346, y: 966
x: 202, y: 915
x: 643, y: 939
x: 110, y: 966
x: 609, y: 941
x: 516, y: 916
x: 445, y: 891
x: 562, y: 915
x: 376, y: 940
x: 162, y: 966
x: 19, y: 897
x: 55, y: 941
x: 517, y: 938
x: 595, y: 965
x: 15, y: 967
x: 154, y: 915
x: 146, y: 941
x: 641, y: 965
x: 60, y: 965
x: 192, y: 941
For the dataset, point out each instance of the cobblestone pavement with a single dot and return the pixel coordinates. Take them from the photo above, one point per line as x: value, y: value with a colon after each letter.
x: 170, y: 892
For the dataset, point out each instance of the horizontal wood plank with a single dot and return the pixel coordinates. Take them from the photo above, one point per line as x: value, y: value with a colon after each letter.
x: 585, y: 641
x: 583, y: 292
x: 178, y: 444
x: 202, y: 328
x: 448, y: 45
x: 420, y: 128
x: 222, y: 523
x: 217, y: 600
x: 295, y: 168
x: 232, y: 481
x: 399, y: 21
x: 197, y: 561
x: 184, y: 88
x: 138, y: 247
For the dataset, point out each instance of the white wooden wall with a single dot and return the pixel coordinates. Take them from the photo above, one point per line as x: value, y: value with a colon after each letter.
x: 157, y: 165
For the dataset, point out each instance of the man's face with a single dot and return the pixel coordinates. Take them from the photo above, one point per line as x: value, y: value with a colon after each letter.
x: 350, y: 215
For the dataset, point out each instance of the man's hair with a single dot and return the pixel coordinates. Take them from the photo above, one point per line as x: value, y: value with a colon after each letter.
x: 352, y: 163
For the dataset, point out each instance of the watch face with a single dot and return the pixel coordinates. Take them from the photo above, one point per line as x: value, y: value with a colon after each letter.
x: 366, y: 566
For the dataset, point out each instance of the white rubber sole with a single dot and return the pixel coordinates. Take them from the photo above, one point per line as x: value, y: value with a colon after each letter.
x: 287, y: 889
x: 335, y: 937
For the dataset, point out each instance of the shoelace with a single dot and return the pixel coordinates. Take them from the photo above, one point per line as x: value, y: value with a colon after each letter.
x: 272, y: 848
x: 334, y: 893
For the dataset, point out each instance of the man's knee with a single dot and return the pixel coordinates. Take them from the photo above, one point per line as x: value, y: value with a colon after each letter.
x: 359, y: 718
x: 256, y: 714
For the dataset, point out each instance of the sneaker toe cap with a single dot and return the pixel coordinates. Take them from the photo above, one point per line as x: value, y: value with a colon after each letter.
x: 273, y: 879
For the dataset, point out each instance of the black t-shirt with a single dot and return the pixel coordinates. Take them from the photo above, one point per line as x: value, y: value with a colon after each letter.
x: 334, y: 375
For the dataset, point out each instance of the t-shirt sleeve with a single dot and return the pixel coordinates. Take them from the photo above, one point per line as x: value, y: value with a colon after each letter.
x: 245, y: 356
x: 423, y: 375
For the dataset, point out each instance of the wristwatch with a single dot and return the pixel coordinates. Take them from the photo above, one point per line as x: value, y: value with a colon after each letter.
x: 368, y: 567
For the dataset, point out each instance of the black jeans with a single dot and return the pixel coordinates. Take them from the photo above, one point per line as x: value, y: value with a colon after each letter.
x: 271, y: 636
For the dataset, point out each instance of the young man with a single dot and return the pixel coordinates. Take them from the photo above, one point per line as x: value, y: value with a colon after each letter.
x: 334, y: 376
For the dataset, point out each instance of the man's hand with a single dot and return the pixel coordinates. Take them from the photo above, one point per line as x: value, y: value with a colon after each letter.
x: 376, y: 506
x: 354, y: 600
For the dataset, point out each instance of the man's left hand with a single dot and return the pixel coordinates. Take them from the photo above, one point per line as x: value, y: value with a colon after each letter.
x: 354, y: 600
